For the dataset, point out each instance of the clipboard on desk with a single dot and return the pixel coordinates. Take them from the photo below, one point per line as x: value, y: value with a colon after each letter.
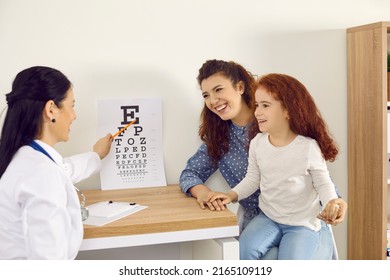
x: 105, y: 212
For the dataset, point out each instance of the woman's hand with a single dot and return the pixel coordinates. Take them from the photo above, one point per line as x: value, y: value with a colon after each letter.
x: 203, y: 194
x: 334, y: 212
x: 225, y: 198
x: 205, y: 200
x: 102, y: 146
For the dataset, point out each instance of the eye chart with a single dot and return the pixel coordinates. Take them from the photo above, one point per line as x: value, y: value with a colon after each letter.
x: 136, y: 155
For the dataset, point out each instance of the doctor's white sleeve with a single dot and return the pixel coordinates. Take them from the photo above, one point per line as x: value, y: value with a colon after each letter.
x: 82, y: 166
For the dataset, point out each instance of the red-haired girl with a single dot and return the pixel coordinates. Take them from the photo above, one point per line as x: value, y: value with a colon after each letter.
x: 287, y: 164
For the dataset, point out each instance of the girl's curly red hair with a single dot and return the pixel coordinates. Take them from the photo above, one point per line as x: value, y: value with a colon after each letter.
x: 305, y: 118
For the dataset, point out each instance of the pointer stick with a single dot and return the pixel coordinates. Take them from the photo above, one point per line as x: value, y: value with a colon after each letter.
x: 123, y: 129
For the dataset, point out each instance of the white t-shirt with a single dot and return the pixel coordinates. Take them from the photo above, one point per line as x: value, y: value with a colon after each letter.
x: 292, y: 179
x: 39, y: 208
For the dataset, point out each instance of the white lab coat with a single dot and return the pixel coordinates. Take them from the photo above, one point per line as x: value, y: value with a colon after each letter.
x: 39, y: 207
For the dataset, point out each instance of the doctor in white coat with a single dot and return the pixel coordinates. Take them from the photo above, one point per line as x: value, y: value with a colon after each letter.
x: 40, y: 214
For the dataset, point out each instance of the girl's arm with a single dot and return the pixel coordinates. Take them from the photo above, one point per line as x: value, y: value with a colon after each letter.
x: 334, y: 207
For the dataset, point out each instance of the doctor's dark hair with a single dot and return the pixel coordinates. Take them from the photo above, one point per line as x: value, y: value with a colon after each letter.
x: 31, y: 90
x: 214, y: 131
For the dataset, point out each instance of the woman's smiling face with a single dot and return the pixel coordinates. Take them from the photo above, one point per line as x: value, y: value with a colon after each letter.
x: 222, y: 97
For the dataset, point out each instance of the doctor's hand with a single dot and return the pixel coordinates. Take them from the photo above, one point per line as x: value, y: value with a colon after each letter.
x: 334, y: 212
x: 102, y: 146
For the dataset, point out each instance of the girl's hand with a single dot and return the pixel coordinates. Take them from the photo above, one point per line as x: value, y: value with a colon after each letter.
x: 203, y: 194
x: 225, y: 198
x: 204, y: 199
x: 334, y: 211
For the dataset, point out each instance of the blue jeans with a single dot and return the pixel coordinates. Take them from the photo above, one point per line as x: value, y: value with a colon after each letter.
x: 254, y: 245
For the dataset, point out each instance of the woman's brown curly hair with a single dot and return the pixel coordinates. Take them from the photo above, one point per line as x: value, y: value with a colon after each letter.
x: 214, y: 131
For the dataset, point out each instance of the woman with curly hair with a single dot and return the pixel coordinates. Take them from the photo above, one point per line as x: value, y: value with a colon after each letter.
x: 227, y: 126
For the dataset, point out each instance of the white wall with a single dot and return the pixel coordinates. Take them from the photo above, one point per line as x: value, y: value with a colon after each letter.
x: 125, y: 48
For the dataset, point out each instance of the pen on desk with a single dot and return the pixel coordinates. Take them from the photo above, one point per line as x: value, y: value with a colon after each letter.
x: 123, y: 129
x: 130, y: 203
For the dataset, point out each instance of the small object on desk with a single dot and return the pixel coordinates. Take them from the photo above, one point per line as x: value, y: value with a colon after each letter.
x: 105, y: 212
x: 131, y: 203
x: 108, y: 209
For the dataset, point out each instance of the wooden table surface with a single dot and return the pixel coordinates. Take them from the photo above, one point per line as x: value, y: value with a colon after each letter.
x: 169, y: 209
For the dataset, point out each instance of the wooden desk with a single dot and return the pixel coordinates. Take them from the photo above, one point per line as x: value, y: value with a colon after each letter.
x: 171, y: 216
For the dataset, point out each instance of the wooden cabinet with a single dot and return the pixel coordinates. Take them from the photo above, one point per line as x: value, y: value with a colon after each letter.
x: 367, y: 140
